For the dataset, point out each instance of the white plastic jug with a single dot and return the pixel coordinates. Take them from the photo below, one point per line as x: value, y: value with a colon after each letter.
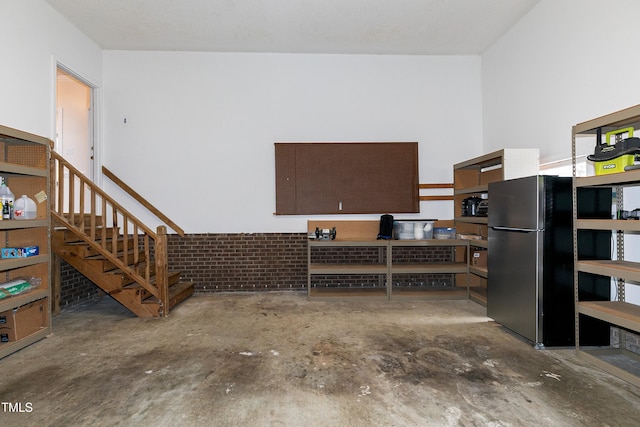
x: 418, y: 230
x: 24, y: 208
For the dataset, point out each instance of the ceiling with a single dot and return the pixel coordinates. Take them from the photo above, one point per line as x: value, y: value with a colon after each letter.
x: 420, y: 27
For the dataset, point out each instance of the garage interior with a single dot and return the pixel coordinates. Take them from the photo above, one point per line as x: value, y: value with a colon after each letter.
x: 237, y: 279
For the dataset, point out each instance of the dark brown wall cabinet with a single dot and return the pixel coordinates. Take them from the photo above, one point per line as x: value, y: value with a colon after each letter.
x: 346, y: 178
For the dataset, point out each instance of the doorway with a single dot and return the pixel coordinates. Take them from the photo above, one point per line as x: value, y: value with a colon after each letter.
x: 74, y: 121
x: 75, y: 130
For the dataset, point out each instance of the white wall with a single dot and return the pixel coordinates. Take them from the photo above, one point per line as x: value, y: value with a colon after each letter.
x: 34, y: 37
x: 200, y: 127
x: 565, y: 62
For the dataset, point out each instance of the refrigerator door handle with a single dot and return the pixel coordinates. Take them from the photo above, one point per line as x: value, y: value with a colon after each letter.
x: 522, y: 230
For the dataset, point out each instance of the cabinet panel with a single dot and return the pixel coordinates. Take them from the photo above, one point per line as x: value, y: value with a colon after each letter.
x: 335, y: 178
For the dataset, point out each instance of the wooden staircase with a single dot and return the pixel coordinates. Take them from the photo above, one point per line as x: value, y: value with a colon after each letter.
x: 109, y: 246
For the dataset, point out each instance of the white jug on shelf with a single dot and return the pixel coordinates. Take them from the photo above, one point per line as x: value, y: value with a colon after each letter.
x: 24, y: 208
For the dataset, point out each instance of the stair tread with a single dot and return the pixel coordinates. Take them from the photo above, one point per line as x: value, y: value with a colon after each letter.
x: 174, y: 290
x: 100, y: 257
x: 172, y: 275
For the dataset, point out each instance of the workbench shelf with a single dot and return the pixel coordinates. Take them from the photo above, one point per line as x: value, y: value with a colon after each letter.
x: 415, y: 277
x: 24, y: 165
x: 471, y: 178
x: 621, y: 269
x: 366, y: 269
x: 349, y: 268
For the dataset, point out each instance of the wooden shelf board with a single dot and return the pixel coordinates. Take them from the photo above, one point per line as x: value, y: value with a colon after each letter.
x: 432, y: 268
x: 478, y: 294
x: 7, y: 264
x: 13, y: 346
x: 347, y: 242
x: 473, y: 190
x: 373, y: 269
x: 629, y: 178
x: 623, y: 269
x: 450, y: 292
x: 487, y: 160
x: 617, y: 119
x: 473, y: 219
x: 479, y: 271
x: 616, y: 312
x: 18, y: 137
x: 25, y: 223
x: 11, y: 168
x: 479, y: 243
x: 618, y: 362
x: 608, y: 224
x: 22, y: 299
x: 429, y: 242
x: 335, y: 292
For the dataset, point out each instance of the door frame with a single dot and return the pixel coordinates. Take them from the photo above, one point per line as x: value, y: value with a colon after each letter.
x: 95, y: 125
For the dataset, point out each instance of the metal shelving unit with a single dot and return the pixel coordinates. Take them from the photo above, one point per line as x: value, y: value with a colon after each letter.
x: 456, y: 267
x: 472, y: 178
x: 24, y: 163
x: 617, y: 360
x: 383, y: 268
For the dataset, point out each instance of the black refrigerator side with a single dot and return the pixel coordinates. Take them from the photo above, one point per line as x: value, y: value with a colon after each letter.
x: 557, y: 315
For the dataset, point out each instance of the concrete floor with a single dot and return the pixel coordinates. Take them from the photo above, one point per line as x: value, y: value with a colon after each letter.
x: 276, y: 359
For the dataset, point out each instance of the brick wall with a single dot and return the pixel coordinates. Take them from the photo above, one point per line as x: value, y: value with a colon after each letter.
x: 75, y: 288
x: 241, y: 262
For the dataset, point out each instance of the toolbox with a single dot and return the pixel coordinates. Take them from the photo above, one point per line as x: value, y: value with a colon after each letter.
x: 613, y: 158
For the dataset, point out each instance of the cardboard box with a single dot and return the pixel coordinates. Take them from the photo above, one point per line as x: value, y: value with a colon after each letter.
x: 479, y: 258
x: 23, y: 321
x: 23, y: 252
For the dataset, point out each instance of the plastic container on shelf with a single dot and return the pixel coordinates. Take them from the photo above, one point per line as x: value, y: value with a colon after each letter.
x: 444, y: 233
x: 413, y: 230
x: 7, y: 200
x: 24, y: 208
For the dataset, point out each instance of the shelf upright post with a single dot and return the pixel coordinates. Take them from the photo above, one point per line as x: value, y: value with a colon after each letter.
x: 574, y: 213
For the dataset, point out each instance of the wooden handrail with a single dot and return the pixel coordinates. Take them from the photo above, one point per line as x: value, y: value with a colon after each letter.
x: 70, y: 208
x: 142, y: 201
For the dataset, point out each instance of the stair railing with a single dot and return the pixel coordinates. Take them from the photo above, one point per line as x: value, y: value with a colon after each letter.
x: 142, y: 201
x: 78, y: 204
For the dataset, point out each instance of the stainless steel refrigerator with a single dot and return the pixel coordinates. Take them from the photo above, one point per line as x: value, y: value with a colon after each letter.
x: 530, y: 262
